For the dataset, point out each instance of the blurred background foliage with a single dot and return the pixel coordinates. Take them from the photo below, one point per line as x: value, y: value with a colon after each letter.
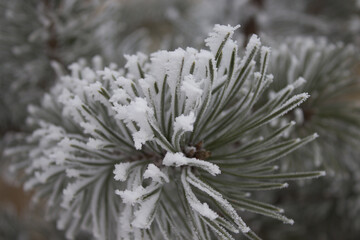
x: 40, y: 38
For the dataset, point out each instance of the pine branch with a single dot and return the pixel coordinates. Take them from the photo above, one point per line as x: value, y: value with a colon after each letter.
x: 133, y: 146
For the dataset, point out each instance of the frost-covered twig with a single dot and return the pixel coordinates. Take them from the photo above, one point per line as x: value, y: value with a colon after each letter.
x: 165, y: 148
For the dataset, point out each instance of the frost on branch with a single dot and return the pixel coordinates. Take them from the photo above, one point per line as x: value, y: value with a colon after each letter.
x: 139, y: 147
x: 178, y: 159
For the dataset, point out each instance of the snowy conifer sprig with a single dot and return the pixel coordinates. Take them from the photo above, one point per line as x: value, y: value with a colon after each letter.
x: 165, y: 148
x: 328, y: 73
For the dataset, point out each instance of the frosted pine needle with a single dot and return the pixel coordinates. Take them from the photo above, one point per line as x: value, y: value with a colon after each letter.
x: 165, y: 148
